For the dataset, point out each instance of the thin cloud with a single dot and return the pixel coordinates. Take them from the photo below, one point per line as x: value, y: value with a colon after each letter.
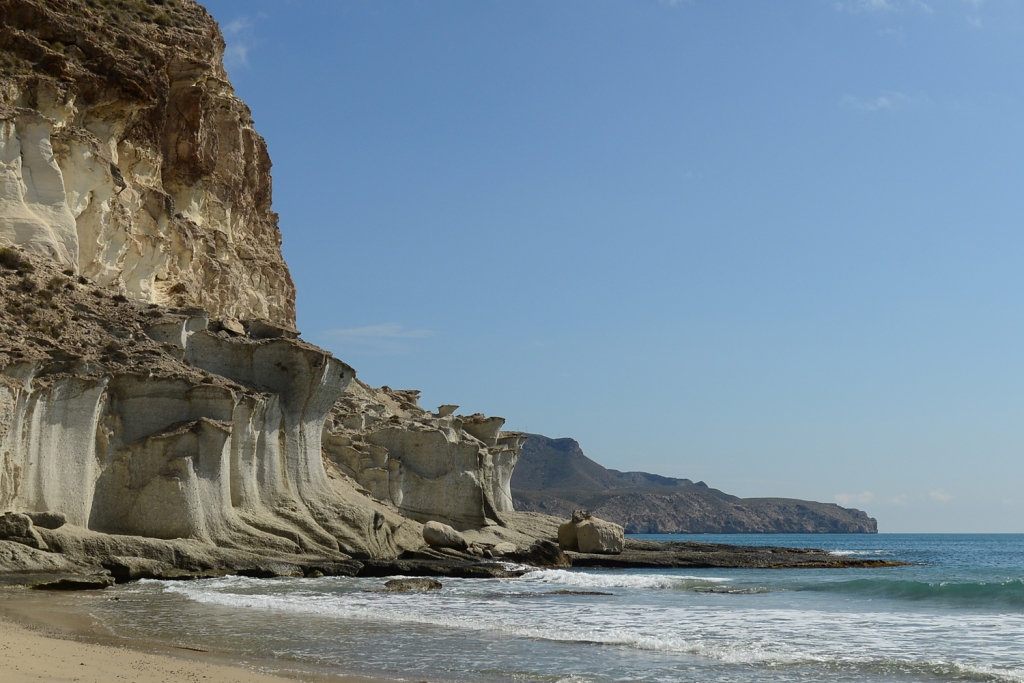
x: 886, y: 102
x: 940, y: 495
x: 882, y: 6
x: 857, y: 498
x: 386, y: 338
x: 238, y: 39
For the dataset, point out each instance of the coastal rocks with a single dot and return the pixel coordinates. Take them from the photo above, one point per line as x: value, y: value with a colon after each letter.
x: 48, y: 520
x: 541, y: 553
x: 408, y: 585
x: 430, y: 466
x: 18, y: 528
x: 587, y: 534
x: 75, y: 583
x: 440, y: 535
x: 137, y: 420
x: 598, y: 536
x: 501, y: 549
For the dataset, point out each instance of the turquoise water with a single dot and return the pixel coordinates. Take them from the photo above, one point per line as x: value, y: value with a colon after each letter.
x: 957, y: 615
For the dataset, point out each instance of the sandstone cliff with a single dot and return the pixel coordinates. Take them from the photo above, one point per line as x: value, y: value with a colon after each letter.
x: 126, y: 156
x: 156, y: 403
x: 158, y: 412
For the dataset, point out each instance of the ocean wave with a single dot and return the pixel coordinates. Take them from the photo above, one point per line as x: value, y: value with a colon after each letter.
x: 562, y: 577
x: 1005, y: 594
x: 859, y: 553
x: 775, y: 638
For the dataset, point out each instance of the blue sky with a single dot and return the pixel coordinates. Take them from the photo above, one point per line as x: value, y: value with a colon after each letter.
x: 773, y: 246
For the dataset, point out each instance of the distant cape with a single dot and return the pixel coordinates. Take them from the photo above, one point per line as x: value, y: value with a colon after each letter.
x: 555, y: 477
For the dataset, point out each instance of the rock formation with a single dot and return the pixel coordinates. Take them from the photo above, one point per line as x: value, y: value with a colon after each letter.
x: 159, y: 415
x: 439, y: 466
x: 127, y: 158
x: 153, y: 390
x: 585, y: 533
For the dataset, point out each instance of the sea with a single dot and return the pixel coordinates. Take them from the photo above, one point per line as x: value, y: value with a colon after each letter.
x: 955, y: 614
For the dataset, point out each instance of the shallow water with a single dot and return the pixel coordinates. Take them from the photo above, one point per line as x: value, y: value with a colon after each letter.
x: 958, y: 615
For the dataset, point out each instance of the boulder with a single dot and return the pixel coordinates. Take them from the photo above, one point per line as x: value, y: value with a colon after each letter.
x: 18, y: 528
x: 48, y: 520
x: 567, y: 539
x: 585, y: 533
x: 503, y: 549
x: 439, y: 535
x: 598, y: 536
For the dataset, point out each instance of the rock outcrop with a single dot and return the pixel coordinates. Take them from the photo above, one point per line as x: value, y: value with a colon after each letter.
x: 431, y: 466
x: 158, y: 411
x: 126, y: 157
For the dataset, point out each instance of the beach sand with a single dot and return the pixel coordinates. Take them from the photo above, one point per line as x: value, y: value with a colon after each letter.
x: 39, y: 642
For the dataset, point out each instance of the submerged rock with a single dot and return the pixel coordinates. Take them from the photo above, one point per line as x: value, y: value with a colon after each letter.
x: 406, y: 585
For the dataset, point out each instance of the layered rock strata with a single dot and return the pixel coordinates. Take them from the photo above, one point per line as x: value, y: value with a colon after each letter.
x: 431, y: 466
x: 126, y: 156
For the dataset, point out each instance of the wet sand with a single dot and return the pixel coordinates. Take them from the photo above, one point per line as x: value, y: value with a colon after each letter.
x: 41, y: 643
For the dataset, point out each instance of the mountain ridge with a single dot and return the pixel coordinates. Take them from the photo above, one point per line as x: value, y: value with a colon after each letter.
x: 554, y: 476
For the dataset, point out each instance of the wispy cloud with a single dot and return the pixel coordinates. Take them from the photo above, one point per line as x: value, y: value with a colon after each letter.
x: 886, y: 102
x: 238, y: 37
x: 854, y: 498
x: 882, y: 6
x: 940, y: 495
x: 386, y: 338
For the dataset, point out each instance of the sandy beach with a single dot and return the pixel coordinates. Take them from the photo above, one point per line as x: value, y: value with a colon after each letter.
x: 41, y: 642
x: 28, y: 656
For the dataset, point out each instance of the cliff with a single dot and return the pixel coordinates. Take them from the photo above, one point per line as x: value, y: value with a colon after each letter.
x: 126, y: 157
x: 555, y: 477
x: 159, y: 414
x: 158, y: 411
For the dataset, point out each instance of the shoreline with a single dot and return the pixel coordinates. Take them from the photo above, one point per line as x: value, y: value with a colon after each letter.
x: 41, y: 642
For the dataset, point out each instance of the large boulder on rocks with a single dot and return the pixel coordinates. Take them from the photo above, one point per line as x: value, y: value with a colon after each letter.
x: 439, y: 535
x: 18, y: 528
x: 585, y: 533
x: 48, y: 520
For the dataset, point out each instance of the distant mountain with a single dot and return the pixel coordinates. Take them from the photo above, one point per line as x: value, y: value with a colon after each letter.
x: 554, y: 476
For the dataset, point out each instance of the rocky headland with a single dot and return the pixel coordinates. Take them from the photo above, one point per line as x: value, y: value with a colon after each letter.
x: 160, y: 415
x: 555, y: 477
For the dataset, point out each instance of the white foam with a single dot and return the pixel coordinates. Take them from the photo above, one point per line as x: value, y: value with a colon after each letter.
x: 562, y: 577
x: 859, y: 553
x: 972, y: 644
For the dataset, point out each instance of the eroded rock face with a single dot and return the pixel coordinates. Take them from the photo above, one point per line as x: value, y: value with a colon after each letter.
x: 126, y: 156
x: 139, y: 420
x: 431, y: 466
x: 154, y: 394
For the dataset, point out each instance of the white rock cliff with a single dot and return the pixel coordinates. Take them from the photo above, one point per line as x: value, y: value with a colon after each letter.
x: 152, y: 384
